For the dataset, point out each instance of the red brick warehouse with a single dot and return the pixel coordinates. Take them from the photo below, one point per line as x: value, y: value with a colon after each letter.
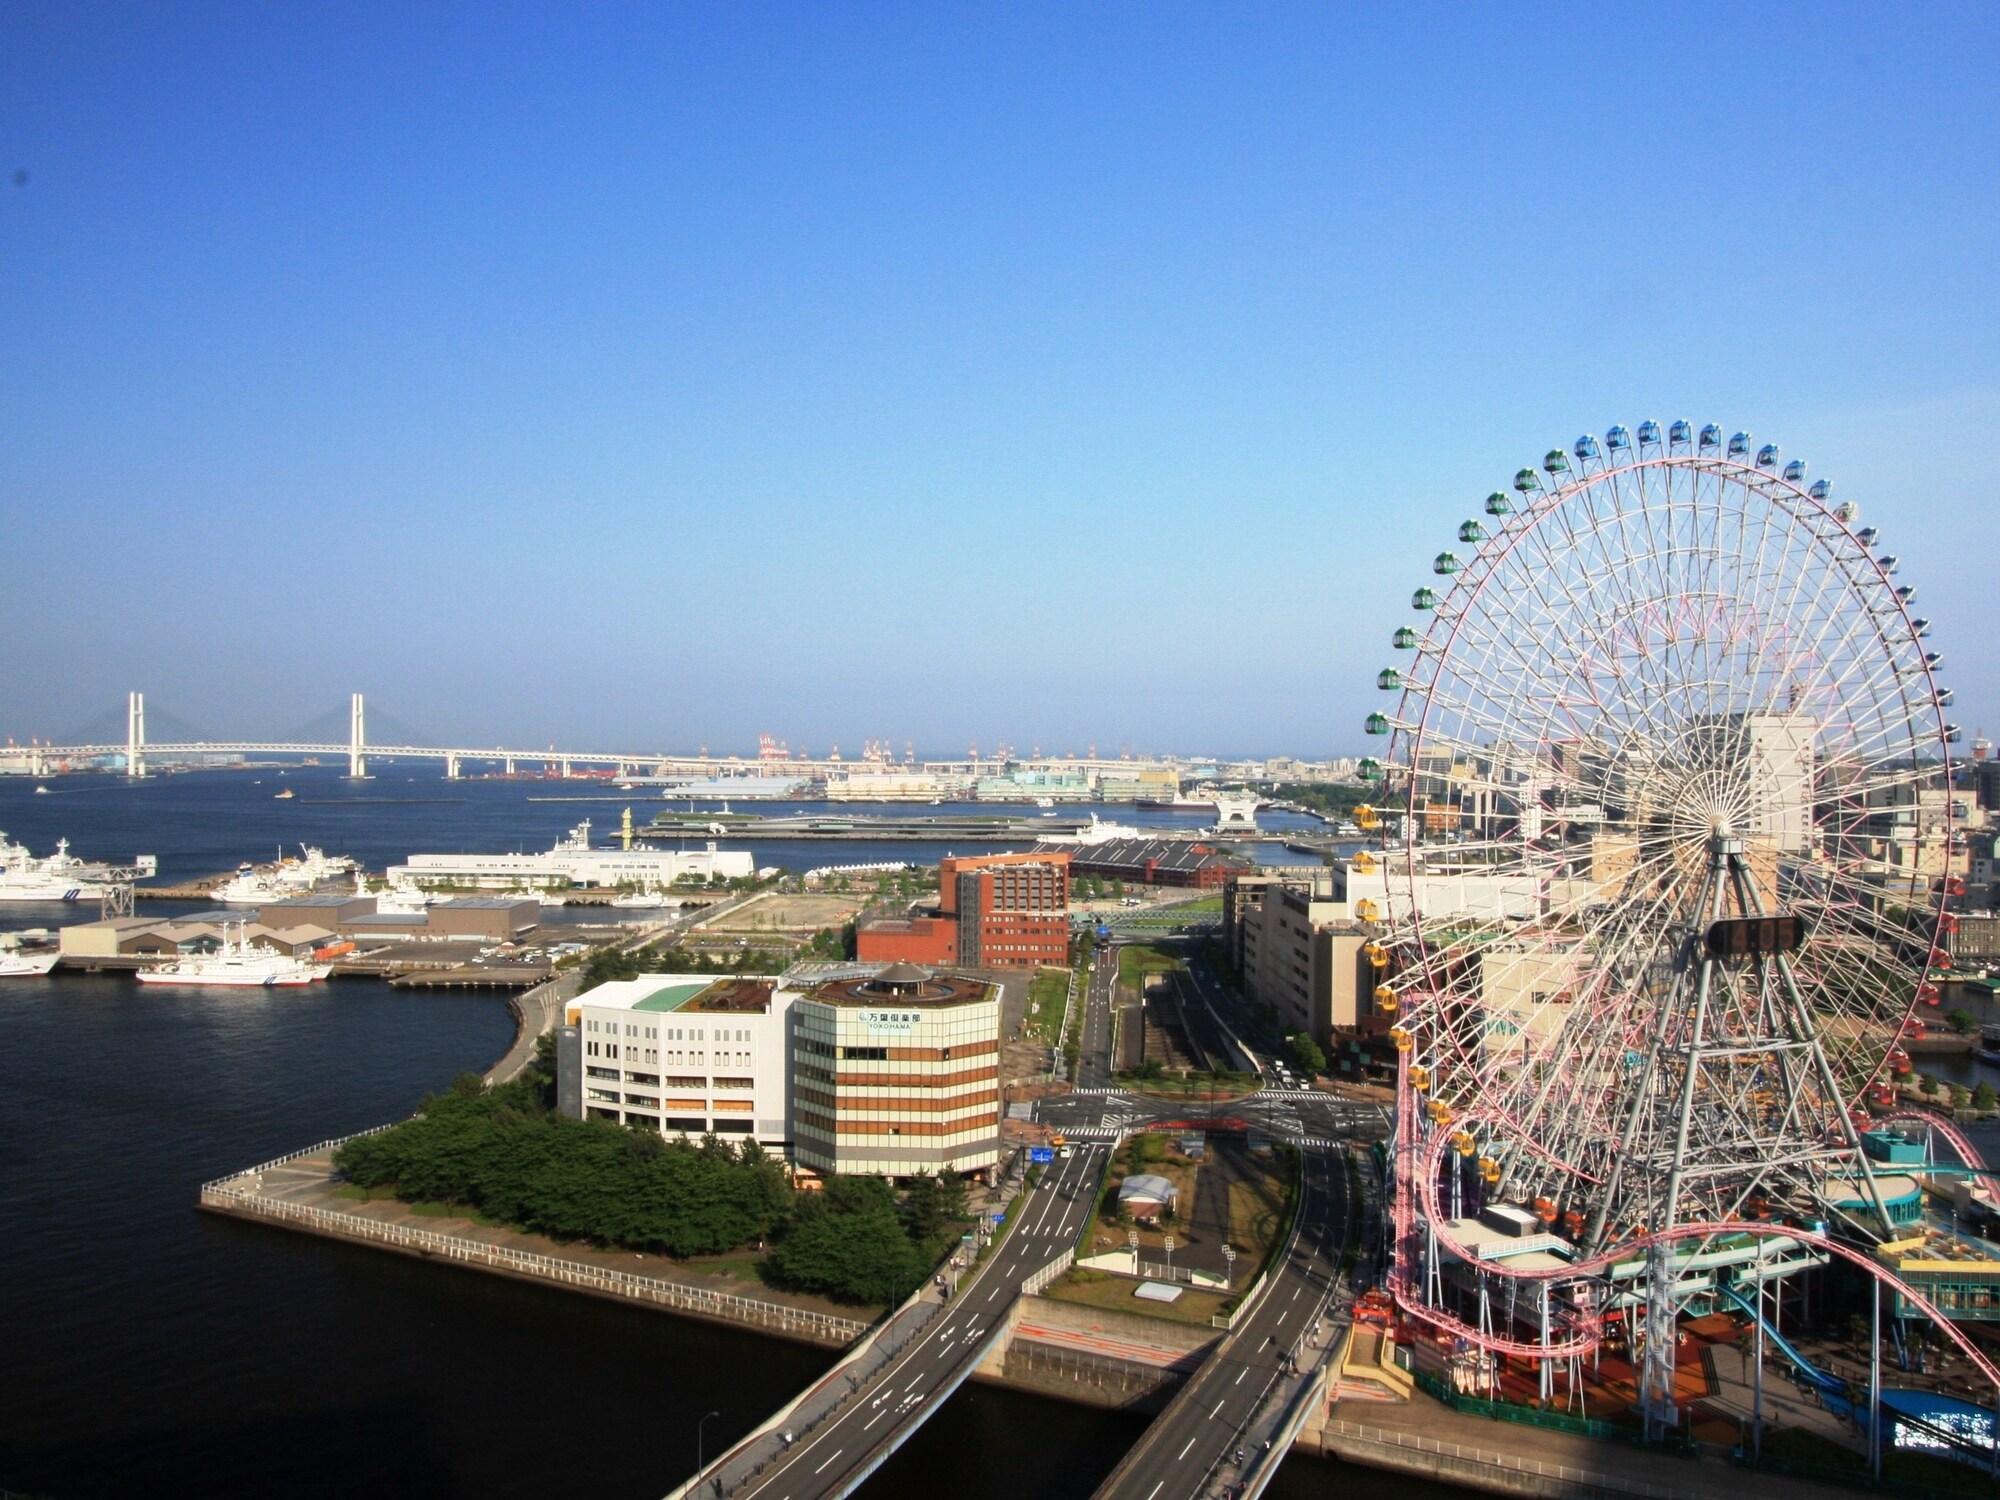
x: 994, y: 911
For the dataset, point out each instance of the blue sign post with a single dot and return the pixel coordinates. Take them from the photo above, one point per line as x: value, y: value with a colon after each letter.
x: 1041, y: 1155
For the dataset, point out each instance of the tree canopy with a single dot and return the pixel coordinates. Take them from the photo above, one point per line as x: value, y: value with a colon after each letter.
x: 501, y: 1151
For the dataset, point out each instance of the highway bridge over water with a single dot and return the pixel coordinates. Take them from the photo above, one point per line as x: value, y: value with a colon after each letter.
x: 138, y: 753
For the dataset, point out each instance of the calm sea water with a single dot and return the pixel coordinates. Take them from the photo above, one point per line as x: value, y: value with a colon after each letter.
x: 147, y: 1348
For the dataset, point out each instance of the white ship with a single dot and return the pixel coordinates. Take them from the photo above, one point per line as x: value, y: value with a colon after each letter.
x: 15, y: 964
x: 572, y: 863
x: 62, y: 876
x: 238, y: 963
x: 250, y: 886
x: 721, y: 788
x: 402, y: 900
x: 1096, y: 831
x: 638, y: 900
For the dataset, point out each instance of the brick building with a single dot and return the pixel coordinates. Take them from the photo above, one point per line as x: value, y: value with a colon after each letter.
x: 994, y: 911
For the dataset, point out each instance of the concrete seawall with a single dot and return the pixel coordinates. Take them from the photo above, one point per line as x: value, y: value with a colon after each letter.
x: 649, y: 1291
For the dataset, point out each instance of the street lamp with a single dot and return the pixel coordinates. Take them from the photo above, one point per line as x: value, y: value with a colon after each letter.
x: 697, y: 1442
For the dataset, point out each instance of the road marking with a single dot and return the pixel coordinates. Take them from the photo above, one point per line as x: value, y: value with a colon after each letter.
x: 1218, y: 1407
x: 1156, y: 1489
x: 914, y: 1383
x: 829, y: 1459
x: 1190, y: 1444
x: 1295, y: 1294
x: 873, y: 1420
x: 992, y: 1294
x: 1240, y: 1374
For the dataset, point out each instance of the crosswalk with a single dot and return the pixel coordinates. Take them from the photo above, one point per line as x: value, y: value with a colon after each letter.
x: 1094, y: 1093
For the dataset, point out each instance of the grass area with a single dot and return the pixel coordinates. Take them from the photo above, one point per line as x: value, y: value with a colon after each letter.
x: 1137, y: 959
x: 1195, y: 1086
x: 738, y: 1267
x: 1102, y: 1289
x: 454, y: 1211
x: 1256, y: 1217
x: 1047, y: 994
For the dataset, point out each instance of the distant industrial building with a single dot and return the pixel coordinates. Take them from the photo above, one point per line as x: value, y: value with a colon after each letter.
x: 306, y: 925
x: 1139, y: 784
x: 1169, y: 862
x: 995, y: 911
x: 886, y: 1069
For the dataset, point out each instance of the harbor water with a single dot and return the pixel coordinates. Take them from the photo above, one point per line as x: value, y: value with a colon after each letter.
x: 151, y: 1349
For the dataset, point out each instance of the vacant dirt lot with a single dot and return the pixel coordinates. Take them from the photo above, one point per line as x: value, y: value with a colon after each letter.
x: 778, y: 912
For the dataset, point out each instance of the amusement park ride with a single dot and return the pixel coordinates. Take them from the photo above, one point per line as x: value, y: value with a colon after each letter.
x: 1667, y: 855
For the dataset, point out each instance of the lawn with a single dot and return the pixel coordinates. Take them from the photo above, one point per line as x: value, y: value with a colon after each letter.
x: 1046, y: 997
x: 1102, y: 1289
x: 1135, y: 959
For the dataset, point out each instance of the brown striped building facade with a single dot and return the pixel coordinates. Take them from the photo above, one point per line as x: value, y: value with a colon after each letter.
x: 897, y: 1073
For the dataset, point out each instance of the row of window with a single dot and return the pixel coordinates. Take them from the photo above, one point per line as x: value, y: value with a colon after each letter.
x: 728, y: 1034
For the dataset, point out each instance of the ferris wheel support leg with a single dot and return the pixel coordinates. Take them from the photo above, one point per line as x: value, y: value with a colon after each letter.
x: 1598, y: 1223
x: 1715, y: 899
x: 1875, y: 1381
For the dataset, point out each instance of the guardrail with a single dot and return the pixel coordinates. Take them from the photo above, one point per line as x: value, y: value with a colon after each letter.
x: 291, y: 1156
x: 1033, y: 1284
x: 822, y: 1327
x: 1476, y: 1463
x: 1304, y: 1402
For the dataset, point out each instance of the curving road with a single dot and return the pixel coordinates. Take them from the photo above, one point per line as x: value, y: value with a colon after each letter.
x: 847, y: 1448
x: 1191, y: 1448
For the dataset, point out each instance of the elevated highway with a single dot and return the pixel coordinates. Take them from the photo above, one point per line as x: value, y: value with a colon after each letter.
x: 825, y: 1445
x: 1211, y: 1435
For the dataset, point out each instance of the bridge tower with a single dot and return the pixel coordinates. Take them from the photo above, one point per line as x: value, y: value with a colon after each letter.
x: 451, y: 768
x: 357, y: 737
x: 135, y: 734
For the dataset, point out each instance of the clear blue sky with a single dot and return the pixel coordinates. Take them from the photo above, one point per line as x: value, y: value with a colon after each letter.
x: 662, y: 374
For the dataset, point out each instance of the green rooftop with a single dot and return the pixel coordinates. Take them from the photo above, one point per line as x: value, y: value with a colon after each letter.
x: 673, y: 996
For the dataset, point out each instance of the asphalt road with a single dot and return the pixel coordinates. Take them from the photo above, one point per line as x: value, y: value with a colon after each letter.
x: 837, y: 1455
x: 1199, y: 1435
x: 1093, y: 1052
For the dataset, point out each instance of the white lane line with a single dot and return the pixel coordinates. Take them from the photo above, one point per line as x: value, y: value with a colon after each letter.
x: 874, y: 1419
x: 829, y: 1459
x: 1240, y: 1374
x: 1156, y: 1489
x: 914, y: 1383
x: 1190, y: 1444
x: 992, y: 1294
x: 1218, y: 1407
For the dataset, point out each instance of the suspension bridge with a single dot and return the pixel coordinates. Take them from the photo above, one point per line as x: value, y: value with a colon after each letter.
x: 139, y: 754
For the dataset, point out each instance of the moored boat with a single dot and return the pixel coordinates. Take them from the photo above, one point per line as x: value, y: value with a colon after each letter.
x: 238, y: 963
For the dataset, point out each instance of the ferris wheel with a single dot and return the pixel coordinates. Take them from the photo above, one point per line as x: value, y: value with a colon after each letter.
x: 1666, y: 839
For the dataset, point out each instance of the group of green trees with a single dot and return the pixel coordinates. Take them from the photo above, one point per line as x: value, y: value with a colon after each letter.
x: 856, y: 1242
x: 1306, y: 1053
x: 830, y: 942
x: 503, y: 1152
x: 607, y: 964
x: 1961, y: 1097
x: 1094, y: 888
x: 497, y: 1150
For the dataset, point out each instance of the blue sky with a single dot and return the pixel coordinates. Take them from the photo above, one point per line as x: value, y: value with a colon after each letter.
x: 659, y: 375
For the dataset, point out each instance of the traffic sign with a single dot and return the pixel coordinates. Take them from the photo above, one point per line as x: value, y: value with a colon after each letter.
x: 1041, y: 1155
